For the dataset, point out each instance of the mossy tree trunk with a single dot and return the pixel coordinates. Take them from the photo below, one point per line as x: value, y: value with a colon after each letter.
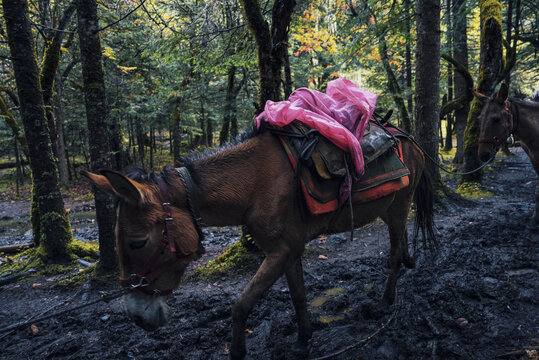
x: 49, y: 70
x: 460, y: 54
x: 98, y: 126
x: 449, y: 38
x: 490, y: 68
x: 55, y: 232
x: 271, y: 44
x: 427, y: 81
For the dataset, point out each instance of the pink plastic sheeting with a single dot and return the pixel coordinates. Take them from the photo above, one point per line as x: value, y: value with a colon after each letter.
x: 334, y: 114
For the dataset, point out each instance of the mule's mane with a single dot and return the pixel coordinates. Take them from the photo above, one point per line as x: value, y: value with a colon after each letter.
x: 139, y: 174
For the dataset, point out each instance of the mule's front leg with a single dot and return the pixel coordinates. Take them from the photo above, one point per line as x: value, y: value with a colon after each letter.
x: 296, y: 285
x: 271, y: 269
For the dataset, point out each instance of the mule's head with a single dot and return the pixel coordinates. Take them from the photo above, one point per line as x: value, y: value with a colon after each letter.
x: 150, y: 253
x: 495, y: 123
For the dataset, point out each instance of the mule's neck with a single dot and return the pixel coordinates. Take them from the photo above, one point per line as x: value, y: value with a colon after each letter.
x: 526, y: 121
x: 226, y: 181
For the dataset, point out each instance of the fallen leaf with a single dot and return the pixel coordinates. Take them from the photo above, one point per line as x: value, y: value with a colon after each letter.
x: 248, y: 331
x: 33, y: 330
x: 226, y: 351
x: 322, y: 257
x: 34, y: 285
x: 462, y: 321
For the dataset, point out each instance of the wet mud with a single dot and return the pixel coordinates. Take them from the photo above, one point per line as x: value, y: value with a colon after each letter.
x: 477, y: 299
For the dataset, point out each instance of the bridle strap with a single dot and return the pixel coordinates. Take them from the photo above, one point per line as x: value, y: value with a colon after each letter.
x: 149, y: 272
x: 512, y: 127
x: 192, y: 202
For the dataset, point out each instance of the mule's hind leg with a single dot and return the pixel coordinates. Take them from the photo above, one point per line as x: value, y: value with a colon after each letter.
x: 396, y: 222
x: 294, y: 277
x: 271, y: 269
x: 407, y: 260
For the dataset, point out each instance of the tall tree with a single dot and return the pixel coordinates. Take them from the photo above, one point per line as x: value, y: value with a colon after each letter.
x: 427, y: 81
x: 460, y: 54
x: 49, y: 69
x: 489, y: 71
x: 55, y: 229
x: 272, y: 44
x: 98, y: 126
x: 449, y: 35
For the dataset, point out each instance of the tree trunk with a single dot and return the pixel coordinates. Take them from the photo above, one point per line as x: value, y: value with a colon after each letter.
x: 176, y: 130
x: 60, y: 143
x: 393, y: 86
x: 509, y: 32
x: 55, y: 229
x: 98, y: 128
x: 408, y: 61
x: 12, y: 123
x: 427, y: 83
x: 271, y: 45
x: 449, y: 122
x: 230, y: 122
x: 460, y: 53
x: 49, y: 70
x: 489, y: 70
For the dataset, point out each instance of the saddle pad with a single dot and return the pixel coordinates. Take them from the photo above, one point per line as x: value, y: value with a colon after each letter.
x: 383, y: 176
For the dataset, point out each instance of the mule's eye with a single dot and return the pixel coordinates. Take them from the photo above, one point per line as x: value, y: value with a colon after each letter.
x: 496, y: 119
x: 137, y: 244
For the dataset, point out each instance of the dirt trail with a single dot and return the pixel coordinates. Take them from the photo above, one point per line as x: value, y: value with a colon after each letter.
x: 476, y: 300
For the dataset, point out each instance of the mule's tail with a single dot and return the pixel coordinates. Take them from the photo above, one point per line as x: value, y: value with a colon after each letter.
x: 424, y: 203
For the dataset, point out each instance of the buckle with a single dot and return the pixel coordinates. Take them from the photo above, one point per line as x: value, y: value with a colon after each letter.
x: 142, y: 282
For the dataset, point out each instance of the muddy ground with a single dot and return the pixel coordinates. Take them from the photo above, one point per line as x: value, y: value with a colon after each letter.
x: 476, y: 300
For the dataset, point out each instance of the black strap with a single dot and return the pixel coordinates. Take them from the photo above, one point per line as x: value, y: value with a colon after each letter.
x: 188, y: 183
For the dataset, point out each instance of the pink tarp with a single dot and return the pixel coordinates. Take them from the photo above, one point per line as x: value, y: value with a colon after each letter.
x: 334, y: 114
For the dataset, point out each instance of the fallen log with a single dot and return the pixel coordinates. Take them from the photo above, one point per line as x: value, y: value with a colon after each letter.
x: 12, y: 249
x: 12, y: 278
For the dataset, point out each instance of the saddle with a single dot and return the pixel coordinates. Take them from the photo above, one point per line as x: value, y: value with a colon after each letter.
x: 322, y: 167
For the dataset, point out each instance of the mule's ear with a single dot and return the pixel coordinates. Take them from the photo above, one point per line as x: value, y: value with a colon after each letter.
x: 124, y: 187
x: 502, y: 94
x: 100, y: 181
x: 481, y: 97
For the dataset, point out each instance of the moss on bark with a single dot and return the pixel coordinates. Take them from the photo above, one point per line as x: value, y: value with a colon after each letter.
x: 55, y: 232
x: 489, y: 71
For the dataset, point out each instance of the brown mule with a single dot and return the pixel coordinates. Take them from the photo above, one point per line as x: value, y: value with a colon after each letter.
x: 501, y: 117
x: 251, y: 183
